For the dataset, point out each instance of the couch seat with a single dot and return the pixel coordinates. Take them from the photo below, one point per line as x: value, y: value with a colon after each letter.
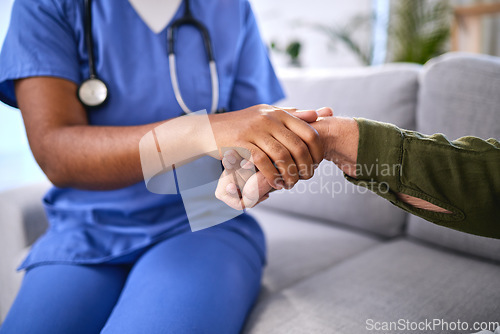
x: 401, y: 279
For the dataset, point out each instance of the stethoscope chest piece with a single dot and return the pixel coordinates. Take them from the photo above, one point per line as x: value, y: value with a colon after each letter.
x: 93, y: 92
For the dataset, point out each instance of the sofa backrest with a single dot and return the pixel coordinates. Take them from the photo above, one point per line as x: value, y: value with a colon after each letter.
x: 387, y: 93
x: 459, y: 96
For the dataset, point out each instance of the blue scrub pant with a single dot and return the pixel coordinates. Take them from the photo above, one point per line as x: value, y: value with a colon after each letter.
x: 203, y: 282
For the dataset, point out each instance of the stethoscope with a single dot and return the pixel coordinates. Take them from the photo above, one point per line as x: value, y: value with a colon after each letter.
x: 93, y: 92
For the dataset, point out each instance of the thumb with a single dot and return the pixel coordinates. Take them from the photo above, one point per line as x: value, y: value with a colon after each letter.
x: 325, y: 112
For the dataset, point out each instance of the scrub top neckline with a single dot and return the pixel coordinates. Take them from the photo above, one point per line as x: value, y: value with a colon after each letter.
x: 156, y: 13
x: 176, y: 16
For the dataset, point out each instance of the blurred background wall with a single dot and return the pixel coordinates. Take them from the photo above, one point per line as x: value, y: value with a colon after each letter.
x: 335, y: 33
x: 287, y: 21
x: 17, y: 166
x: 488, y: 25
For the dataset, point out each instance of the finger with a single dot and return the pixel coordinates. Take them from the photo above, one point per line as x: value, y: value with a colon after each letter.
x: 308, y: 116
x: 241, y: 175
x: 232, y: 189
x: 227, y: 191
x: 246, y: 164
x: 287, y: 109
x: 279, y: 153
x: 299, y: 151
x: 231, y: 159
x: 256, y: 188
x: 263, y: 163
x: 247, y: 169
x: 325, y: 112
x: 308, y: 135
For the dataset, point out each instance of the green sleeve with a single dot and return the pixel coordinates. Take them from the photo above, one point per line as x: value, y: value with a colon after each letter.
x: 462, y: 176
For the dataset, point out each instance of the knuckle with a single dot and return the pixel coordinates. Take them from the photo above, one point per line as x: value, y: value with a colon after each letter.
x: 262, y: 118
x: 302, y: 151
x: 310, y: 135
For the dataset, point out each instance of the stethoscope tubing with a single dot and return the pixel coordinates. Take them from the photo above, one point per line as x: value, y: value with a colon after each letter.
x: 89, y: 41
x: 187, y: 19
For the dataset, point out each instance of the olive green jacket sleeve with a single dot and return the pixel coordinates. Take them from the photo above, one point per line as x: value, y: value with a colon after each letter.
x: 462, y: 176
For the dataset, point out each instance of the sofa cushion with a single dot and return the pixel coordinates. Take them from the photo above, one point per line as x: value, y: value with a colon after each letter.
x: 444, y: 237
x: 385, y: 93
x: 459, y: 96
x: 300, y: 247
x: 397, y: 280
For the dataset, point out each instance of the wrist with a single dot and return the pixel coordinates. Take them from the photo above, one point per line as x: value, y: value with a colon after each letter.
x: 340, y: 138
x: 205, y: 130
x: 193, y: 146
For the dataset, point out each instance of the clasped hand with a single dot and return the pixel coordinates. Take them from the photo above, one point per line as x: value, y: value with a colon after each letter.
x: 272, y: 149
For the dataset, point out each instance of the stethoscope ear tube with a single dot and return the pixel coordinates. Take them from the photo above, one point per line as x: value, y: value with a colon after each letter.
x: 177, y: 92
x: 92, y: 92
x: 88, y: 37
x: 189, y: 20
x: 215, y: 85
x: 175, y: 83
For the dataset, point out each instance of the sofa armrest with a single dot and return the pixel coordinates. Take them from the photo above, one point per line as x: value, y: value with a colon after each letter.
x: 22, y: 221
x: 22, y: 218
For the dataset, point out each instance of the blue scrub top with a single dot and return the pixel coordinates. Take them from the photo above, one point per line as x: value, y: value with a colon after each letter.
x: 46, y: 38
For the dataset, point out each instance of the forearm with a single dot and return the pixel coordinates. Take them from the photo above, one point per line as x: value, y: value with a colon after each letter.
x: 108, y: 157
x: 341, y: 142
x: 93, y: 157
x: 421, y: 173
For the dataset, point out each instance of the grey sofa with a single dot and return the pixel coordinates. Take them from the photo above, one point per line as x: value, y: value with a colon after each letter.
x: 342, y: 260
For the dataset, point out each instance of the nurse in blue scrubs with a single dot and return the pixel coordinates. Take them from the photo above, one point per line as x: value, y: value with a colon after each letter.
x: 118, y: 258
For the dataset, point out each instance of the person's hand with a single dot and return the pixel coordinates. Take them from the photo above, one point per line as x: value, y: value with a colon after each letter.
x: 240, y: 174
x: 240, y: 186
x: 282, y: 147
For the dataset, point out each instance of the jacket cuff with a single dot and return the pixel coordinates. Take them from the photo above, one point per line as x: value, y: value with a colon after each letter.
x: 380, y: 152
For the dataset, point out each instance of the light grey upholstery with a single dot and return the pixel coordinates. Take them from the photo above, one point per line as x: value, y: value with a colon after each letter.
x: 467, y: 243
x: 386, y: 93
x: 292, y: 259
x: 397, y: 280
x: 459, y: 96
